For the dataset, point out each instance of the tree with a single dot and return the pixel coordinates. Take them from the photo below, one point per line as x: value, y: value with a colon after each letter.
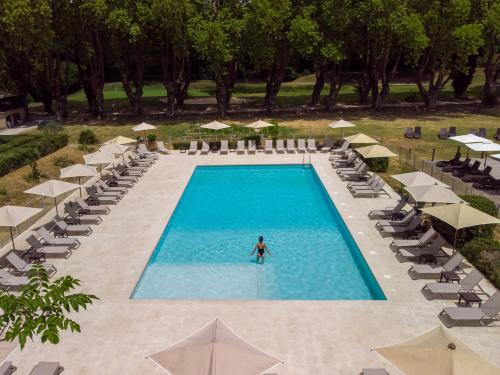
x: 41, y: 308
x: 491, y: 34
x: 216, y: 35
x: 451, y: 39
x: 170, y: 20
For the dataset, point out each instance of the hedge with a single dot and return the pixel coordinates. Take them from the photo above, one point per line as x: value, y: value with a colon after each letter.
x: 19, y: 151
x: 484, y: 254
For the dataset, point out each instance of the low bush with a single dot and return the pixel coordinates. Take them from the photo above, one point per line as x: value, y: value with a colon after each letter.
x: 87, y: 137
x: 50, y: 126
x: 255, y: 137
x: 180, y: 145
x: 378, y: 164
x: 62, y: 161
x: 484, y: 254
x: 24, y: 150
x: 482, y: 204
x: 151, y: 137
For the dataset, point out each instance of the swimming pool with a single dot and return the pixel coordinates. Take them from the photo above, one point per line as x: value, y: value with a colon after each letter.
x: 204, y: 250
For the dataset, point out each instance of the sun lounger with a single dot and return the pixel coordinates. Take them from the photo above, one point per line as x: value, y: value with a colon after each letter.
x: 280, y: 147
x: 427, y: 271
x: 112, y: 181
x: 20, y: 266
x: 401, y: 230
x: 40, y: 248
x: 301, y: 145
x: 268, y: 146
x: 161, y: 148
x: 373, y: 181
x: 424, y: 240
x: 487, y: 184
x: 418, y: 132
x: 60, y: 228
x: 454, y: 161
x: 347, y: 163
x: 311, y: 145
x: 459, y: 172
x: 56, y: 241
x: 388, y: 212
x: 369, y: 181
x: 443, y: 134
x: 417, y: 252
x: 73, y: 217
x: 224, y: 147
x: 102, y: 193
x: 240, y: 147
x: 104, y: 186
x: 125, y: 178
x: 290, y: 145
x: 142, y: 149
x: 374, y: 371
x: 138, y: 164
x: 467, y: 284
x: 409, y: 133
x: 342, y: 149
x: 7, y: 368
x: 97, y: 200
x: 205, y: 148
x: 452, y: 132
x: 47, y: 368
x: 497, y: 134
x: 357, y: 174
x: 405, y: 220
x: 9, y: 280
x: 483, y: 314
x: 478, y: 175
x: 463, y: 164
x: 376, y: 191
x: 355, y: 168
x: 147, y: 157
x: 87, y: 209
x: 251, y: 146
x: 329, y: 144
x: 481, y: 132
x: 193, y: 147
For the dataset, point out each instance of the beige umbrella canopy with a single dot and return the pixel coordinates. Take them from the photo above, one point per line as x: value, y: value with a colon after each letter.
x: 375, y: 151
x: 341, y: 124
x: 12, y: 216
x: 114, y: 149
x: 78, y: 171
x: 120, y: 140
x: 460, y: 216
x: 213, y: 350
x: 215, y: 125
x: 433, y: 194
x: 437, y: 352
x: 360, y: 138
x: 52, y: 189
x: 98, y: 158
x: 259, y: 124
x: 143, y: 127
x: 469, y: 138
x: 417, y: 179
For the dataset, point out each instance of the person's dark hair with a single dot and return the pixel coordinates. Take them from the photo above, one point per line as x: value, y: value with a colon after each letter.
x: 261, y: 238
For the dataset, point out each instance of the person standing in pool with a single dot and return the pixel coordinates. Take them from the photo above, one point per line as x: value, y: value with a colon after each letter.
x: 261, y: 248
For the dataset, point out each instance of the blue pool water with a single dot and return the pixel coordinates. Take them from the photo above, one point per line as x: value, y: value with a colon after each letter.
x: 204, y: 251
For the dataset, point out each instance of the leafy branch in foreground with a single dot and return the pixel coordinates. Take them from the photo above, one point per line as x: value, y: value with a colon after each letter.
x: 41, y: 308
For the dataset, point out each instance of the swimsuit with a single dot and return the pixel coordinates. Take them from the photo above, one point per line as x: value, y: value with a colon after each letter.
x: 261, y: 252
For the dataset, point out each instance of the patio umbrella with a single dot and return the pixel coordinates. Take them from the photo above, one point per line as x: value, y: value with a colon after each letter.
x: 120, y: 140
x: 215, y: 125
x: 144, y: 127
x: 341, y: 124
x: 433, y: 194
x: 469, y: 138
x: 12, y: 216
x: 460, y: 216
x: 79, y: 171
x: 484, y: 147
x: 213, y: 350
x: 114, y: 149
x: 259, y: 124
x: 52, y: 188
x: 98, y: 158
x: 437, y: 352
x: 360, y: 138
x: 375, y: 151
x: 417, y: 179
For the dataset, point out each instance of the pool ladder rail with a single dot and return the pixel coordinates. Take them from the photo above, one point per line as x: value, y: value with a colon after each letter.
x: 308, y: 164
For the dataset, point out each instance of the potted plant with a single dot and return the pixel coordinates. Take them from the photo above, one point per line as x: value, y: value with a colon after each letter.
x: 151, y: 141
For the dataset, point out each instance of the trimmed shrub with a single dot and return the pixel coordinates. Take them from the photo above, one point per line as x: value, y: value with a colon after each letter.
x: 87, y: 137
x: 482, y: 204
x: 377, y: 164
x: 180, y: 145
x: 484, y: 254
x: 255, y: 137
x: 151, y: 137
x: 62, y: 161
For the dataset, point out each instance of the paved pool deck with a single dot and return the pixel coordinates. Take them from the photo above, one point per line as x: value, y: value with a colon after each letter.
x: 311, y: 337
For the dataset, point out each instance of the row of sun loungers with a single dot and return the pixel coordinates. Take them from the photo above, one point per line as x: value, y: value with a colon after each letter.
x: 56, y: 238
x: 41, y: 368
x: 250, y: 146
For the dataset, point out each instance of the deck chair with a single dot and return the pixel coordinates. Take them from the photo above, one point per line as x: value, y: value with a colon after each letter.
x: 460, y: 172
x: 361, y: 175
x: 401, y: 230
x: 161, y: 148
x: 240, y: 147
x: 424, y: 240
x: 40, y: 248
x: 361, y: 184
x: 409, y: 133
x: 101, y: 193
x: 311, y: 145
x: 479, y: 175
x: 452, y: 132
x: 86, y: 209
x: 433, y: 249
x: 454, y: 161
x: 462, y: 164
x: 104, y: 186
x: 280, y: 146
x: 113, y: 182
x: 20, y: 266
x: 405, y: 220
x: 268, y: 146
x: 376, y: 191
x: 7, y: 368
x: 193, y: 147
x: 205, y: 148
x: 47, y: 368
x: 251, y: 146
x: 125, y: 178
x: 9, y: 280
x: 290, y: 145
x: 359, y: 172
x: 301, y: 145
x: 73, y: 217
x: 443, y: 134
x: 481, y: 132
x: 55, y: 241
x: 342, y: 149
x: 61, y: 228
x: 96, y: 199
x: 355, y: 168
x: 388, y: 212
x: 372, y: 182
x: 418, y: 132
x: 142, y: 148
x: 488, y: 311
x: 224, y: 146
x: 497, y: 134
x: 427, y: 271
x: 329, y: 144
x: 467, y: 284
x: 374, y: 371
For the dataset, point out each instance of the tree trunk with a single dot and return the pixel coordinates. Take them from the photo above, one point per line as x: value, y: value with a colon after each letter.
x: 275, y: 77
x: 220, y: 95
x: 97, y: 75
x: 489, y: 91
x: 491, y: 73
x: 319, y: 84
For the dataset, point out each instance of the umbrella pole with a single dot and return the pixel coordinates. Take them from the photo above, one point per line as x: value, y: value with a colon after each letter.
x: 455, y: 241
x: 12, y: 238
x: 55, y: 203
x: 80, y: 183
